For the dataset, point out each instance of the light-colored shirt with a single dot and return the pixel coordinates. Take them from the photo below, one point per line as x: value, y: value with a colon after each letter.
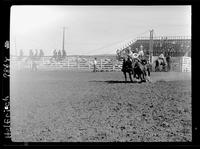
x: 161, y: 56
x: 141, y: 53
x: 95, y: 62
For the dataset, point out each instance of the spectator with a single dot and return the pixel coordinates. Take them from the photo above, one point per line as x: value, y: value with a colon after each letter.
x: 64, y: 54
x: 36, y: 53
x: 168, y: 59
x: 95, y: 64
x: 31, y: 53
x: 141, y: 53
x: 34, y: 66
x: 59, y: 55
x: 21, y: 54
x: 136, y: 50
x: 41, y: 54
x: 55, y: 55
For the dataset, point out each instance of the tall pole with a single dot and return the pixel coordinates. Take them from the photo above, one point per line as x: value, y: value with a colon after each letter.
x: 151, y: 46
x: 63, y: 43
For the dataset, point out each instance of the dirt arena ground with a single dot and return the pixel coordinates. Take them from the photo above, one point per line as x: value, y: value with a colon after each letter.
x: 60, y: 106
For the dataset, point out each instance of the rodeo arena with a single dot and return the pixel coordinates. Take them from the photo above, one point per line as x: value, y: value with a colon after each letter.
x: 140, y: 94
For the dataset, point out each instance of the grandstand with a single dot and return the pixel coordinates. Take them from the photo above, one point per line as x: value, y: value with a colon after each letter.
x: 178, y: 47
x: 175, y: 46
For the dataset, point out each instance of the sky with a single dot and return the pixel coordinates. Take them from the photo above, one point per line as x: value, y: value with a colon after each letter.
x: 92, y: 29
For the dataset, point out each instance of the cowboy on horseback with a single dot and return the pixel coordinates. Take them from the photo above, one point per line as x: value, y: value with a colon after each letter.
x: 141, y: 52
x: 139, y: 64
x: 127, y: 67
x: 161, y: 56
x: 135, y: 63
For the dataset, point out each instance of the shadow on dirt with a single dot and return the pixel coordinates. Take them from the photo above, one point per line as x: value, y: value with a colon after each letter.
x: 115, y: 81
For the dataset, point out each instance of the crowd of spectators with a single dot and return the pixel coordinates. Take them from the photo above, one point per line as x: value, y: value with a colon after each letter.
x: 174, y: 48
x: 58, y: 55
x: 36, y: 55
x: 32, y: 55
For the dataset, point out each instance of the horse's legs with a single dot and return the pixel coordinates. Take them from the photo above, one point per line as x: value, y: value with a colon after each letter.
x: 148, y: 72
x: 156, y: 68
x: 125, y: 76
x: 143, y: 76
x: 130, y: 76
x: 144, y: 73
x: 140, y: 77
x: 133, y: 72
x: 135, y: 75
x: 159, y: 68
x: 166, y: 68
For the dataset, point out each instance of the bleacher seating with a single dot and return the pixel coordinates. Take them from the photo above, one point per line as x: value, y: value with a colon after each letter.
x: 174, y: 47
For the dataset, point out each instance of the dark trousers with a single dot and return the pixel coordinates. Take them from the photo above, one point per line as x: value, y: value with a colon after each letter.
x: 95, y: 68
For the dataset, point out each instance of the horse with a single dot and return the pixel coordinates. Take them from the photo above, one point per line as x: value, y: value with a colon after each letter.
x: 141, y: 70
x: 160, y: 62
x: 127, y: 68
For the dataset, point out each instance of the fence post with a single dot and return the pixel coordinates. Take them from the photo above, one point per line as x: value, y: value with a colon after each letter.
x: 42, y: 60
x: 19, y: 65
x: 77, y: 63
x: 113, y: 66
x: 181, y: 64
x: 89, y: 64
x: 101, y: 64
x: 68, y: 63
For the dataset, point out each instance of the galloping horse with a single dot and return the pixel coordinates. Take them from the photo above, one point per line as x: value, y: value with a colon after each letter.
x: 127, y: 67
x: 139, y: 69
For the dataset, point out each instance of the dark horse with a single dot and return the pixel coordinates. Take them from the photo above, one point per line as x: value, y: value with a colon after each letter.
x: 139, y: 69
x: 127, y: 67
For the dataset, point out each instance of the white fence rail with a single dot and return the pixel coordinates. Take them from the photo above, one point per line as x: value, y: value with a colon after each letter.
x: 69, y: 63
x: 180, y: 64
